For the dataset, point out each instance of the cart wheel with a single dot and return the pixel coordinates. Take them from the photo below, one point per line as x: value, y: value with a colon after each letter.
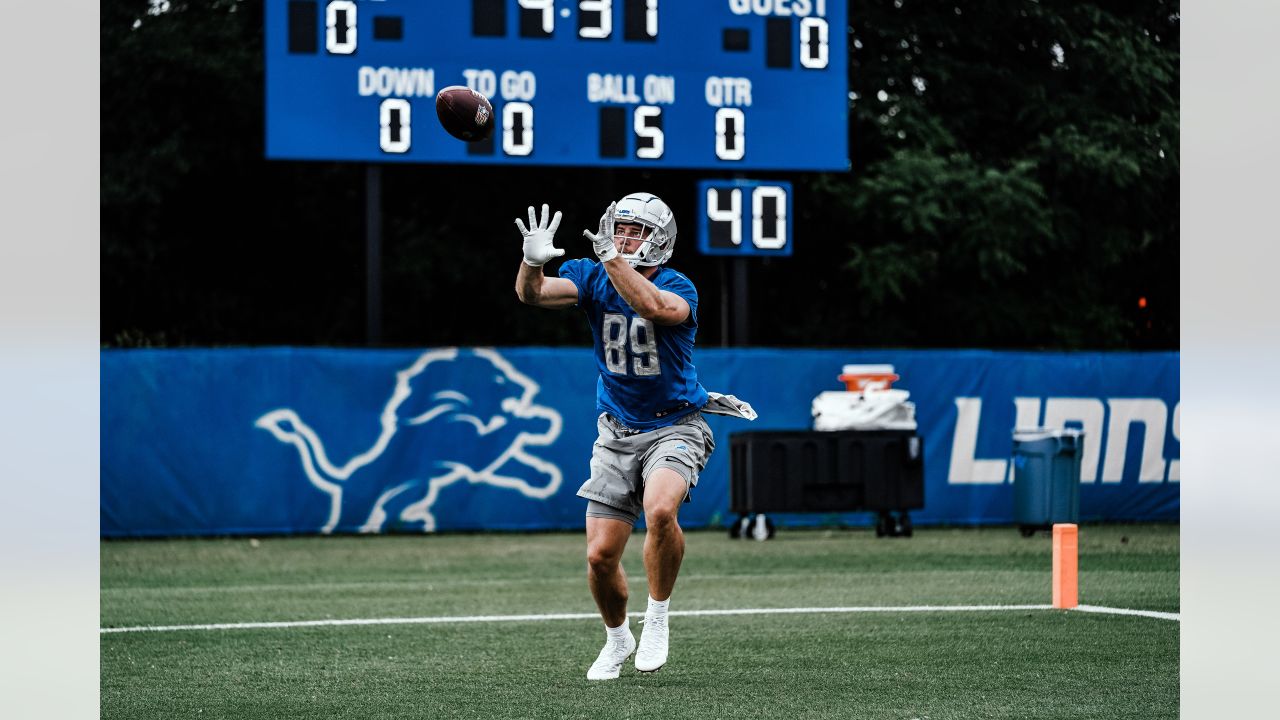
x: 738, y: 529
x: 882, y: 524
x: 905, y: 524
x: 762, y: 528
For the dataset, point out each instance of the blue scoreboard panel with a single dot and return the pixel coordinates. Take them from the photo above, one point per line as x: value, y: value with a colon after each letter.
x: 732, y: 85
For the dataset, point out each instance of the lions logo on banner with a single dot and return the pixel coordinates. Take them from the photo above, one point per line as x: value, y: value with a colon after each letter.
x: 454, y: 415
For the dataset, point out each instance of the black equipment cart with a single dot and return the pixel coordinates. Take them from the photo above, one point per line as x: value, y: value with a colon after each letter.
x: 880, y: 471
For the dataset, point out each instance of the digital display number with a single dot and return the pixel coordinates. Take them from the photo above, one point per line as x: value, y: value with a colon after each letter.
x: 744, y: 217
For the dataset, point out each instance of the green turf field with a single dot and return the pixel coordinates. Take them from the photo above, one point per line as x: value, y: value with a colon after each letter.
x: 986, y: 664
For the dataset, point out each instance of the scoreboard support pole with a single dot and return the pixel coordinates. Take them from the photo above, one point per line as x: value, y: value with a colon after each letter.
x: 740, y: 295
x: 734, y: 323
x: 724, y: 302
x: 373, y: 254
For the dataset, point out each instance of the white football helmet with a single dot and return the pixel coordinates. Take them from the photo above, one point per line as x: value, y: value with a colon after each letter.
x: 649, y: 211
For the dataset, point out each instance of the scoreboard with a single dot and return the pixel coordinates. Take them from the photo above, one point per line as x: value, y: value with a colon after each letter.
x: 729, y: 85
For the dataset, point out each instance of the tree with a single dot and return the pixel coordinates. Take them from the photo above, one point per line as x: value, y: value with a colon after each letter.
x: 1016, y: 174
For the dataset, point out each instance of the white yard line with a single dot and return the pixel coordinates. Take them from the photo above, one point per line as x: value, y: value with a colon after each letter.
x: 1125, y: 611
x: 441, y: 619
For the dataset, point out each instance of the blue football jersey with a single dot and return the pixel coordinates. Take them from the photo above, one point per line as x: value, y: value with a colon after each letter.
x: 647, y: 377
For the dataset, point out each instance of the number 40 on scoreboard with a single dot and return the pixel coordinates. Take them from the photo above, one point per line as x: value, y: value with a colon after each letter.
x: 744, y: 217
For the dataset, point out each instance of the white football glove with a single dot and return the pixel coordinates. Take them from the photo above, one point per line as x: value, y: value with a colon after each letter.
x: 539, y: 237
x: 602, y: 241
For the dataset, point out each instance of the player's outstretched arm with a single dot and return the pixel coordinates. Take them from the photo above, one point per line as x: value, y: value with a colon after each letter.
x: 650, y: 303
x: 537, y: 289
x: 532, y: 287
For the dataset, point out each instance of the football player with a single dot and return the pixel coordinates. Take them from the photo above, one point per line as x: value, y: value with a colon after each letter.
x: 653, y: 440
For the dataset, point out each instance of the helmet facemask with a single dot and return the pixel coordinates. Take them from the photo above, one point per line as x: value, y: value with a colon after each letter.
x: 659, y: 233
x: 648, y: 247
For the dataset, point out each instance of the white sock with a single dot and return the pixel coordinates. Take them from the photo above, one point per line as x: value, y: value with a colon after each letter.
x: 619, y: 632
x: 657, y: 607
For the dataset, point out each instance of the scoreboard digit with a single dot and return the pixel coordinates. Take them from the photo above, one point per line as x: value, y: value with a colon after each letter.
x: 719, y: 84
x: 744, y: 217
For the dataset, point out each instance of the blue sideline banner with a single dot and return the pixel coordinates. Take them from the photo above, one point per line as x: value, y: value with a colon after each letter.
x: 281, y: 440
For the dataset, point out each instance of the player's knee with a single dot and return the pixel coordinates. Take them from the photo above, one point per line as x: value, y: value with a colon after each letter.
x: 602, y: 560
x: 660, y: 516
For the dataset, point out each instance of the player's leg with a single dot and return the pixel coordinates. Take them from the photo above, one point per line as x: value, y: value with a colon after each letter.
x: 607, y: 536
x: 664, y: 491
x: 671, y: 465
x: 613, y: 493
x: 606, y: 539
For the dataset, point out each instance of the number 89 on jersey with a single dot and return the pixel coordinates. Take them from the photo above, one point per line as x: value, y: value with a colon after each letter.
x: 744, y: 217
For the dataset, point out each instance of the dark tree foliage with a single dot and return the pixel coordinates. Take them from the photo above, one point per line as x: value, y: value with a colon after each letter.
x: 1016, y: 174
x: 1014, y: 184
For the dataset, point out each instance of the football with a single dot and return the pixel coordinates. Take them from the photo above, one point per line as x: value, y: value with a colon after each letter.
x: 464, y: 113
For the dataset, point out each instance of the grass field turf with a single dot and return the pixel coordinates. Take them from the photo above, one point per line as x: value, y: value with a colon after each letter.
x: 1024, y: 664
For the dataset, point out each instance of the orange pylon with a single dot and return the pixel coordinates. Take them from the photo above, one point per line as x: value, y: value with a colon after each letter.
x: 1065, y: 566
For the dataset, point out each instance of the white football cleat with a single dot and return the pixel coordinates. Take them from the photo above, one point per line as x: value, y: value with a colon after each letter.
x: 653, y: 644
x: 614, y: 653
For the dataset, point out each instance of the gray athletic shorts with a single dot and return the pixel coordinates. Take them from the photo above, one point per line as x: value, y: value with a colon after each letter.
x: 623, y: 458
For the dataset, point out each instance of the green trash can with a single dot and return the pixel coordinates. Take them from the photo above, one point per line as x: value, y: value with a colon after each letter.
x: 1046, y: 477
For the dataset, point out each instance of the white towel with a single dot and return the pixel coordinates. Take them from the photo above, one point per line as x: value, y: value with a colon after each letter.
x: 720, y: 404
